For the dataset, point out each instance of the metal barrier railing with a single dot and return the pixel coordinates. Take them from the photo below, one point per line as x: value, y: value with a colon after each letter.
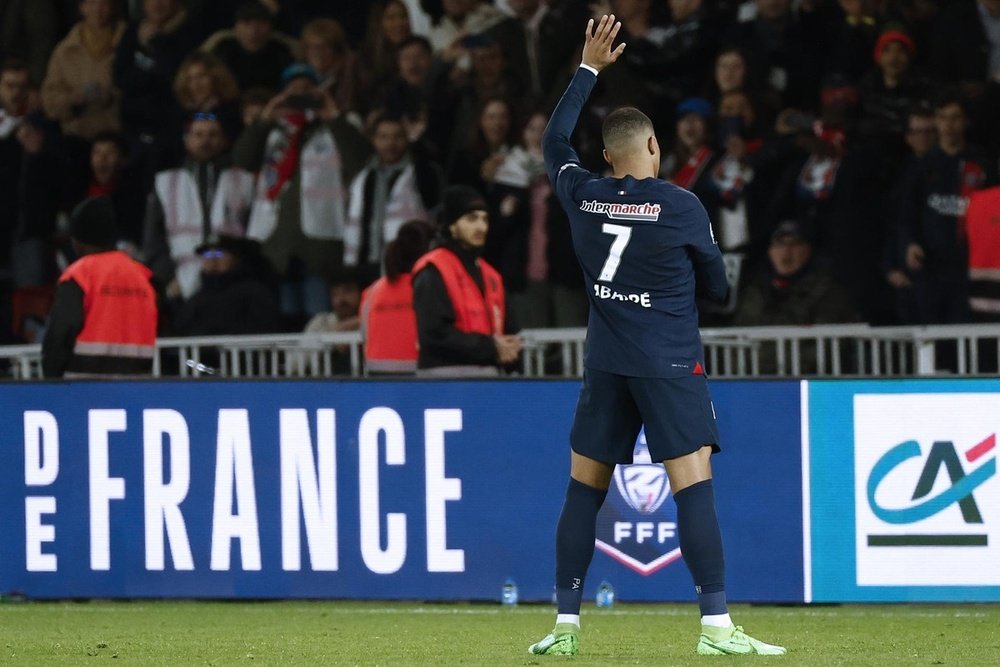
x: 821, y: 351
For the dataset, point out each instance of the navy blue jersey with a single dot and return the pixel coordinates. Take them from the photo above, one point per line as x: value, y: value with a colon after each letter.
x: 641, y: 244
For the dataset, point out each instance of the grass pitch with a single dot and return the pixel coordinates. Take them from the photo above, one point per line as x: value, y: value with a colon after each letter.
x: 403, y: 634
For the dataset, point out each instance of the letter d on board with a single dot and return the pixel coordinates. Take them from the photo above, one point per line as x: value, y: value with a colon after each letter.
x: 41, y: 448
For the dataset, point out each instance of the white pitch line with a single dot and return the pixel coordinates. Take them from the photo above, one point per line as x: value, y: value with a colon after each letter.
x: 353, y: 609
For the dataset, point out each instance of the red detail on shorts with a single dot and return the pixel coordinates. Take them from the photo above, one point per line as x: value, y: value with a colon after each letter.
x: 980, y: 449
x: 698, y: 370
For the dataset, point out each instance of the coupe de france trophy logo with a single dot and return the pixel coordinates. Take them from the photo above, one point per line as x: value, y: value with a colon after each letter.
x: 637, y: 526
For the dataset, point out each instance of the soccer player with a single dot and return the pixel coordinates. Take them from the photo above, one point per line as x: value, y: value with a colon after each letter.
x: 644, y: 244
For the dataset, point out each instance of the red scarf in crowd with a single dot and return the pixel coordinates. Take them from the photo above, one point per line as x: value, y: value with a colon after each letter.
x: 283, y: 158
x: 818, y: 176
x: 730, y: 175
x: 96, y: 189
x: 688, y: 175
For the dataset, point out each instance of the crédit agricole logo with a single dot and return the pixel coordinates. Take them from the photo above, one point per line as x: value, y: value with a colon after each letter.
x: 927, y: 496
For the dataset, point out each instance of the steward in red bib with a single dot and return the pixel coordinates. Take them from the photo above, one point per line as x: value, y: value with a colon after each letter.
x: 388, y: 323
x: 982, y: 229
x: 477, y: 309
x: 103, y: 322
x: 463, y: 324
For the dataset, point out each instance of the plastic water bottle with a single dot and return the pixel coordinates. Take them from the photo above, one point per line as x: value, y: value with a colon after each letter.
x: 508, y: 594
x: 605, y: 595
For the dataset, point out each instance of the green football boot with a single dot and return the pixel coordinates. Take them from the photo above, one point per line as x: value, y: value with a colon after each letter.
x: 733, y: 641
x: 563, y: 640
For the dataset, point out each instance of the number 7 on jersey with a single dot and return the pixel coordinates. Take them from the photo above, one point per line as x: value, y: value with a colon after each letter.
x: 622, y: 235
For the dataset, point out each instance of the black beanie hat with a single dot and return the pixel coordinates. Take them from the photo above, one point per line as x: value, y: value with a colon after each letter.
x: 457, y: 201
x: 93, y: 222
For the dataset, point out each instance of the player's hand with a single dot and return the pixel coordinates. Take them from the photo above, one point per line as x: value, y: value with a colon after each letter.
x: 597, y: 51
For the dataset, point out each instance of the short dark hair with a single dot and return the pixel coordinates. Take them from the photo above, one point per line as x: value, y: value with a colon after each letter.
x: 330, y: 31
x: 412, y: 240
x: 381, y: 116
x: 256, y: 95
x: 13, y: 65
x: 921, y: 109
x: 252, y: 10
x: 111, y: 137
x: 947, y: 98
x: 344, y: 275
x: 415, y: 39
x: 623, y: 124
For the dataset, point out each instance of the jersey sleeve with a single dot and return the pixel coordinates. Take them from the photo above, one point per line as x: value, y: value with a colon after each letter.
x: 710, y: 269
x: 569, y: 177
x: 561, y: 161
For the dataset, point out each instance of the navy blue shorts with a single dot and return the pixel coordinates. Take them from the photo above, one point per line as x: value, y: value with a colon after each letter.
x: 677, y: 413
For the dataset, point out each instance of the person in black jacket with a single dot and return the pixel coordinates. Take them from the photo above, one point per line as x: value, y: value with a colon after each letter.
x: 104, y: 319
x: 234, y: 299
x: 254, y: 54
x: 110, y: 174
x: 934, y: 196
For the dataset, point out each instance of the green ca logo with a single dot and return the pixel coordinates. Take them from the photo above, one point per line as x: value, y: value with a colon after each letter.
x: 942, y: 454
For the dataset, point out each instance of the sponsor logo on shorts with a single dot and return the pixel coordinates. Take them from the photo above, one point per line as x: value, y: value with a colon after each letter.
x: 645, y: 212
x: 637, y: 526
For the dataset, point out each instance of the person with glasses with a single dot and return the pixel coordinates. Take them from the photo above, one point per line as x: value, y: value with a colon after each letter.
x: 204, y: 84
x: 920, y: 137
x: 236, y: 296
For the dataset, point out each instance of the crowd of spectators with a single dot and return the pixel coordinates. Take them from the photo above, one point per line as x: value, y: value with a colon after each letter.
x: 259, y: 151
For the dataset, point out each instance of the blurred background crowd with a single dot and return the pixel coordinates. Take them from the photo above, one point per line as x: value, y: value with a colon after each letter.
x: 261, y: 154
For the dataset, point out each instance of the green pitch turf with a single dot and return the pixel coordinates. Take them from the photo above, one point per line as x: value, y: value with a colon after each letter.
x: 403, y: 634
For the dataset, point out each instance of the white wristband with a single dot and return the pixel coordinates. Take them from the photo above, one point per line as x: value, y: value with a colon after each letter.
x: 588, y: 68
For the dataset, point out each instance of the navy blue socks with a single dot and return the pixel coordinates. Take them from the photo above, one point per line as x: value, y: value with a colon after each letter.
x: 575, y: 543
x: 701, y: 544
